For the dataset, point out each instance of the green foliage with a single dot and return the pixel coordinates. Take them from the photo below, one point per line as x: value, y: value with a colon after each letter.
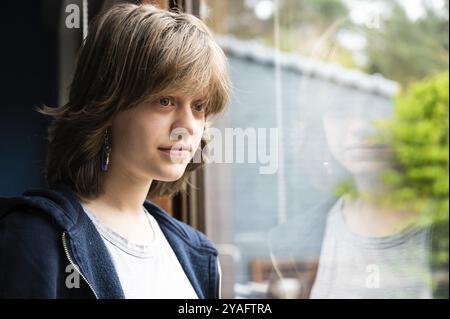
x: 419, y: 136
x: 302, y: 25
x: 346, y: 188
x: 400, y: 49
x: 409, y: 51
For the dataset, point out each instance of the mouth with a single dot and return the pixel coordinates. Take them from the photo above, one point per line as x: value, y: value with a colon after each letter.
x: 364, y: 146
x: 176, y: 151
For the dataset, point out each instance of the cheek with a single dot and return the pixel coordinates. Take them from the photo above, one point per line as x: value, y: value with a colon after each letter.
x: 335, y: 132
x: 198, y: 132
x: 122, y: 132
x: 134, y: 133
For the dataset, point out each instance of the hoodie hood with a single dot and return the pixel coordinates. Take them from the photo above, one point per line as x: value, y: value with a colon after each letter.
x: 60, y: 204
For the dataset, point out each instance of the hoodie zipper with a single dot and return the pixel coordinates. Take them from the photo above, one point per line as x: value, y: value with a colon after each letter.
x: 219, y: 269
x: 66, y: 250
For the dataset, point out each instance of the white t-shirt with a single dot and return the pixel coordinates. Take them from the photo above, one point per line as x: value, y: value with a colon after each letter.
x: 354, y: 266
x: 146, y: 271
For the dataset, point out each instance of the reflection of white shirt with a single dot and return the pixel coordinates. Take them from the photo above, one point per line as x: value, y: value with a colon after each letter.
x: 353, y: 266
x: 146, y: 271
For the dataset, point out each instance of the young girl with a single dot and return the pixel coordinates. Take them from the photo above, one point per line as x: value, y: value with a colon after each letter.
x: 146, y: 82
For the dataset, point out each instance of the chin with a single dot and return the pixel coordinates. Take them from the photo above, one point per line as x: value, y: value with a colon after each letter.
x: 172, y: 175
x: 368, y: 167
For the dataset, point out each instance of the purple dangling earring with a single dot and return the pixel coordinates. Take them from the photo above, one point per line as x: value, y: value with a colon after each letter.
x: 106, y: 150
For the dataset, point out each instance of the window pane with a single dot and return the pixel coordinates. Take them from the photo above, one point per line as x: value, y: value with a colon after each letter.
x: 330, y: 179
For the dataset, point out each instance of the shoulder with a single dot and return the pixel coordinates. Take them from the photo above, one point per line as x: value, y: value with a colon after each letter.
x: 30, y: 255
x: 28, y: 230
x: 305, y: 228
x: 28, y: 218
x: 171, y: 225
x: 196, y: 236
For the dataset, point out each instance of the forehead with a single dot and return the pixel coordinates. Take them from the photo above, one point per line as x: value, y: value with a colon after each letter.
x: 186, y: 93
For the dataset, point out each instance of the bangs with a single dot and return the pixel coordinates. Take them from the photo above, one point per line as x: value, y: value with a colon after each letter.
x: 189, y: 62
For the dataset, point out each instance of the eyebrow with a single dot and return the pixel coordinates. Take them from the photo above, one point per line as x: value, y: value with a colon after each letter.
x: 192, y: 99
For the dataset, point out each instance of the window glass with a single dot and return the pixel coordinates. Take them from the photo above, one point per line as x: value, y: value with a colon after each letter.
x: 329, y: 177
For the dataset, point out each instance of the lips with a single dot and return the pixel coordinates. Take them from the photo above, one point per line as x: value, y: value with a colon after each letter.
x: 367, y: 146
x: 176, y: 151
x: 176, y: 148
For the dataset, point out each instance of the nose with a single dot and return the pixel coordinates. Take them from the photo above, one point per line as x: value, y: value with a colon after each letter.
x: 184, y: 121
x: 360, y: 128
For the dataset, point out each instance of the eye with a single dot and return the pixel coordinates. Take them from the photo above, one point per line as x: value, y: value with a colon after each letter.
x: 199, y: 107
x: 165, y: 101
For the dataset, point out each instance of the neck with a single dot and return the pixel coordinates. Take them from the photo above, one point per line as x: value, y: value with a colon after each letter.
x: 370, y: 183
x: 365, y: 216
x: 123, y: 191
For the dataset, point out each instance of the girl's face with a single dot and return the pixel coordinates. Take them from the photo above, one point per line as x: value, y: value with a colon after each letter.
x: 156, y: 139
x: 349, y: 130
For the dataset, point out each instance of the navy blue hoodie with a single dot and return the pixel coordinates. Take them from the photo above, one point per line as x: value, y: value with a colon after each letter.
x: 45, y: 235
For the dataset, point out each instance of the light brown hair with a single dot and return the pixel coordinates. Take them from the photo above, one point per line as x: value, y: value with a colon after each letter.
x: 132, y: 53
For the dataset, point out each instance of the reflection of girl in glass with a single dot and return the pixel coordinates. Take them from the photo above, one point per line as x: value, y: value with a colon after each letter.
x: 368, y: 250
